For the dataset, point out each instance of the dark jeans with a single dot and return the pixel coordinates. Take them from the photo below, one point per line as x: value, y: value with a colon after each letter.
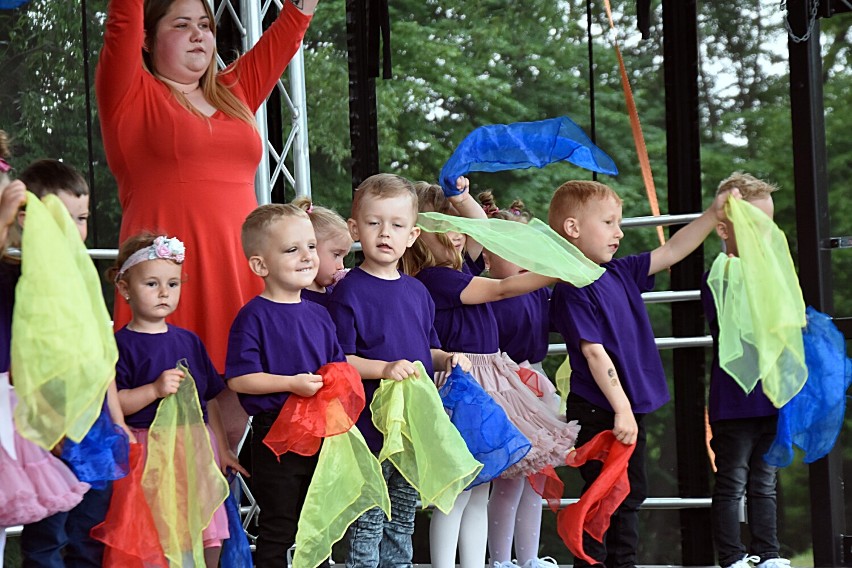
x: 280, y: 488
x: 618, y: 550
x: 63, y: 539
x: 740, y: 470
x: 375, y: 541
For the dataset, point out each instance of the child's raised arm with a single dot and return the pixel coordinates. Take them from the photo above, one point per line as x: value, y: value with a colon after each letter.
x: 603, y: 371
x: 467, y: 206
x: 482, y: 290
x: 691, y: 236
x: 12, y: 197
x: 134, y: 400
x: 303, y: 384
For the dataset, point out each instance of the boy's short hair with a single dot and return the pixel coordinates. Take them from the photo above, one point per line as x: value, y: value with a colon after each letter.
x: 52, y: 176
x: 384, y: 186
x: 570, y: 197
x: 750, y: 187
x: 253, y: 234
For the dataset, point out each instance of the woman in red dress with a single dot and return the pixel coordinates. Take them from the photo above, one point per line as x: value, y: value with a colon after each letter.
x: 181, y: 140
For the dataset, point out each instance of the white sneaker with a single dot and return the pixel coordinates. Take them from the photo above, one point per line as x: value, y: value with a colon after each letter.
x: 508, y: 564
x: 546, y: 562
x: 774, y: 563
x: 745, y: 562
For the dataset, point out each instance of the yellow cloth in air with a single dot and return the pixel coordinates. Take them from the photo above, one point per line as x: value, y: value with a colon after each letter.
x: 63, y: 348
x: 421, y: 442
x: 181, y: 481
x: 347, y: 482
x: 534, y: 246
x: 760, y: 308
x: 563, y: 383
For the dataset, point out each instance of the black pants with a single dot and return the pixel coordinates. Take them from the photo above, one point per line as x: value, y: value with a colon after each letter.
x: 279, y: 487
x: 618, y: 550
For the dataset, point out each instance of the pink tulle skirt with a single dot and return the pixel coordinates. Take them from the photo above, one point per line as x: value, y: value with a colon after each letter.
x: 217, y: 530
x: 551, y: 438
x: 36, y: 485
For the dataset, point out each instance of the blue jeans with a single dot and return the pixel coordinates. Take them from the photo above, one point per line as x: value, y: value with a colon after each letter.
x: 376, y: 542
x: 63, y: 539
x: 739, y: 446
x: 621, y: 542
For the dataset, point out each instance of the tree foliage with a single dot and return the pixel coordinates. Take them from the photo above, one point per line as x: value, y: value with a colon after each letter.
x: 460, y: 65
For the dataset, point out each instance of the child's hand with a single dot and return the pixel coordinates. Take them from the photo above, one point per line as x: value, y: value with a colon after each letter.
x: 400, y: 370
x: 626, y: 430
x: 463, y: 185
x: 228, y: 460
x: 454, y: 359
x: 131, y: 437
x: 168, y: 382
x: 306, y: 384
x: 11, y: 200
x: 718, y: 206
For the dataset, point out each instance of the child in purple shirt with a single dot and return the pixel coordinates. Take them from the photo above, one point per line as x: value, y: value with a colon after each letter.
x: 617, y: 376
x: 744, y: 427
x: 148, y: 275
x: 465, y: 322
x: 384, y: 323
x: 276, y: 344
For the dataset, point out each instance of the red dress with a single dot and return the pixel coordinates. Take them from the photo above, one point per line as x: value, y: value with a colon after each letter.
x: 188, y: 176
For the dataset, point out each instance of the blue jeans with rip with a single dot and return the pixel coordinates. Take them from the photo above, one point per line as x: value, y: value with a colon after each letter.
x: 739, y: 446
x: 376, y: 542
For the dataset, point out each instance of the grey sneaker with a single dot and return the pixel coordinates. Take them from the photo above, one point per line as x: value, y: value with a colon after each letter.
x: 774, y: 563
x: 746, y: 562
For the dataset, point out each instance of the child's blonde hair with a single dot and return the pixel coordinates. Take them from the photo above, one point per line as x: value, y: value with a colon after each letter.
x: 570, y: 197
x: 383, y: 186
x: 327, y: 223
x: 517, y: 211
x: 253, y: 234
x: 430, y: 198
x: 750, y: 187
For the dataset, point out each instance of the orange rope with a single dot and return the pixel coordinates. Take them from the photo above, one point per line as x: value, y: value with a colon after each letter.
x: 636, y: 127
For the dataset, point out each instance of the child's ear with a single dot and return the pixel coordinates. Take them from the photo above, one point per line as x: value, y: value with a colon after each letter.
x: 258, y: 266
x: 722, y: 230
x: 571, y: 227
x: 121, y: 286
x: 415, y: 232
x: 353, y: 229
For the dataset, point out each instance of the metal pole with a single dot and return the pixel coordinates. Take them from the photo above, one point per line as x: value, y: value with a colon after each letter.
x: 252, y: 20
x: 301, y: 150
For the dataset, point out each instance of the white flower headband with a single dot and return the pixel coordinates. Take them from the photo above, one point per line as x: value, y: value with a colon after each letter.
x: 165, y: 248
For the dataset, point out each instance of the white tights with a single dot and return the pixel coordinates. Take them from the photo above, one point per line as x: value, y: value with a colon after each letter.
x: 465, y: 528
x: 514, y: 510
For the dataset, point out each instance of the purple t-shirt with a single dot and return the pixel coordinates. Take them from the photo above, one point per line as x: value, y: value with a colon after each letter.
x: 142, y: 357
x: 280, y: 339
x: 9, y: 275
x: 727, y: 399
x: 523, y: 325
x: 387, y: 320
x: 468, y: 328
x: 320, y: 298
x: 474, y: 267
x: 610, y: 311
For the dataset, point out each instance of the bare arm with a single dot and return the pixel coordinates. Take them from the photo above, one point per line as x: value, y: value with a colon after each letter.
x: 467, y: 206
x: 482, y: 290
x: 227, y: 459
x: 115, y: 412
x: 303, y: 384
x: 378, y: 369
x: 134, y: 400
x: 606, y: 377
x: 443, y: 360
x: 690, y: 237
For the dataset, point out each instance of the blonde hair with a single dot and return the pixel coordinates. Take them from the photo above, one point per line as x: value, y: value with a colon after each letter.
x: 383, y: 186
x: 570, y: 197
x: 750, y: 187
x: 215, y: 91
x: 430, y: 197
x: 517, y: 211
x: 327, y: 223
x: 254, y: 230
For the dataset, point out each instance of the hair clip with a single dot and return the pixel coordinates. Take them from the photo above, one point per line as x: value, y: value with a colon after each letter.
x: 5, y: 167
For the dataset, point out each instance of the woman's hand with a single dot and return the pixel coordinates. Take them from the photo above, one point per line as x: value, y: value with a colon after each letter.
x: 306, y: 6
